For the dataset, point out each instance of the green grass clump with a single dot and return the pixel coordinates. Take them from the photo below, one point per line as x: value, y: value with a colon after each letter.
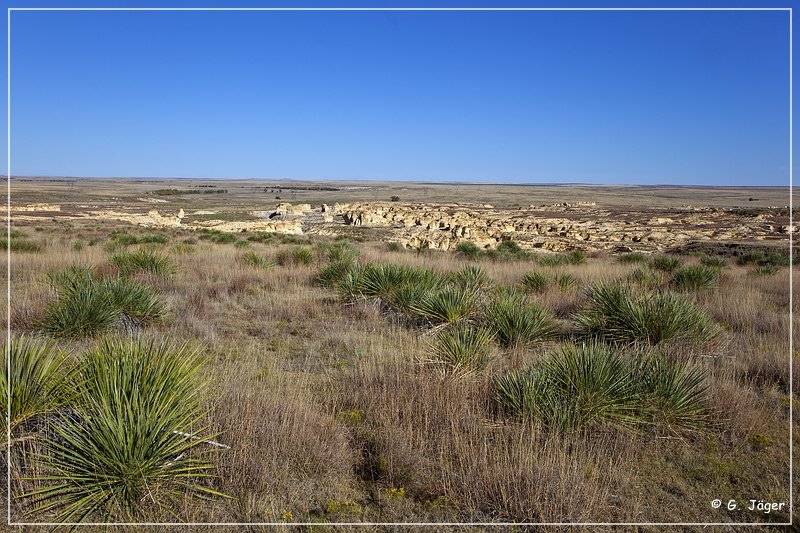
x: 507, y: 250
x: 712, y: 262
x: 242, y: 244
x: 595, y: 384
x: 566, y: 282
x: 470, y: 277
x: 461, y: 349
x: 751, y: 257
x: 535, y: 281
x: 261, y: 237
x: 646, y: 277
x: 257, y: 260
x: 632, y: 257
x: 621, y: 314
x: 516, y: 323
x: 695, y: 278
x: 666, y: 263
x: 575, y: 257
x: 296, y: 256
x: 86, y: 306
x: 143, y: 261
x: 765, y: 270
x: 134, y: 442
x: 468, y: 250
x: 40, y: 377
x: 21, y: 245
x: 446, y: 305
x: 333, y: 273
x: 394, y: 246
x: 341, y: 251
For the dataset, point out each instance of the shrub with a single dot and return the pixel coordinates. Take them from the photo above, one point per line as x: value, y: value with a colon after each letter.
x: 86, y: 307
x: 446, y: 305
x: 222, y: 238
x: 666, y: 263
x: 576, y: 257
x: 632, y: 257
x: 21, y: 245
x: 764, y: 270
x: 594, y: 384
x: 618, y: 314
x: 695, y: 278
x: 77, y: 245
x: 516, y: 323
x: 262, y: 237
x: 341, y: 251
x: 303, y: 256
x: 469, y: 250
x: 40, y: 380
x: 241, y: 244
x: 566, y: 282
x: 535, y: 281
x: 712, y: 262
x: 332, y: 274
x: 510, y: 250
x: 257, y: 260
x: 646, y: 277
x: 751, y: 257
x: 394, y: 246
x: 461, y: 349
x: 143, y: 260
x: 470, y: 277
x: 395, y: 198
x: 133, y: 442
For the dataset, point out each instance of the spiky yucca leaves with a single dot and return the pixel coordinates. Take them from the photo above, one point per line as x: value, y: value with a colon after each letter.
x: 621, y: 314
x: 695, y: 278
x: 332, y: 274
x: 130, y: 446
x: 350, y: 286
x: 341, y: 251
x: 566, y: 282
x: 595, y: 384
x: 535, y: 281
x: 461, y: 349
x: 467, y: 249
x: 647, y: 277
x: 632, y: 257
x: 713, y: 262
x: 575, y: 257
x: 674, y: 392
x: 143, y: 260
x: 446, y: 305
x: 137, y: 303
x: 516, y: 322
x: 257, y: 260
x: 86, y: 306
x: 667, y: 263
x: 41, y: 379
x: 470, y: 277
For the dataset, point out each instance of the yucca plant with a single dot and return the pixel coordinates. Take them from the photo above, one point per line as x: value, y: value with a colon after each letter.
x: 566, y: 281
x: 647, y: 277
x: 515, y: 322
x: 667, y: 263
x: 41, y: 378
x: 470, y: 277
x: 713, y: 262
x: 137, y: 303
x: 133, y: 446
x: 350, y: 286
x: 143, y: 261
x: 592, y: 384
x: 621, y: 314
x: 341, y: 251
x: 447, y: 305
x: 674, y: 393
x: 764, y: 270
x: 535, y: 281
x: 303, y: 256
x: 695, y: 278
x: 332, y: 274
x: 257, y: 260
x: 469, y: 250
x: 461, y: 349
x: 632, y: 257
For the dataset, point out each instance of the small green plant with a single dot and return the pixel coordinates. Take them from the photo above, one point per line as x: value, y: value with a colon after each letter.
x: 751, y: 257
x: 242, y: 244
x: 632, y: 257
x: 447, y: 305
x: 576, y: 257
x: 765, y: 270
x: 257, y: 260
x: 21, y: 245
x: 135, y: 440
x: 712, y: 262
x: 41, y: 379
x: 77, y: 245
x: 515, y: 322
x: 646, y: 277
x: 461, y: 349
x: 468, y: 250
x: 470, y: 277
x: 695, y: 278
x: 395, y: 198
x: 535, y: 281
x: 394, y: 246
x: 566, y: 282
x: 333, y: 273
x: 143, y: 261
x: 666, y: 263
x: 620, y: 314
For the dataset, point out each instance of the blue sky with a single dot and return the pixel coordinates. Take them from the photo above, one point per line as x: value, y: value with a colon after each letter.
x: 513, y: 97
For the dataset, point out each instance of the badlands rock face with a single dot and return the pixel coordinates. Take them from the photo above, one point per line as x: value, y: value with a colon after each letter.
x: 558, y: 227
x: 442, y: 226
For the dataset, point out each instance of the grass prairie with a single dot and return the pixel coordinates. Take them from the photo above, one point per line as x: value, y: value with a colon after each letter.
x: 322, y: 381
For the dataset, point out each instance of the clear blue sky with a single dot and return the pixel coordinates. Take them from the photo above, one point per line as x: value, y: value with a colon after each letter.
x: 597, y: 97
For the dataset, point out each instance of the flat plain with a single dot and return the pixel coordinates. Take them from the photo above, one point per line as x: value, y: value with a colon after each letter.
x: 398, y: 352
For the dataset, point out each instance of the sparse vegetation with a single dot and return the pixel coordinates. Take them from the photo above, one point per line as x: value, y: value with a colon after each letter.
x: 143, y: 261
